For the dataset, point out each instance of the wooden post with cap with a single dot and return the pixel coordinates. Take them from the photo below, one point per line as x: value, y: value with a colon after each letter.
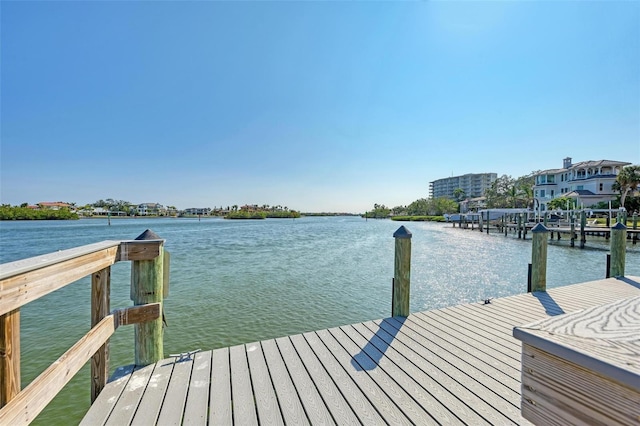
x: 618, y: 249
x: 402, y: 273
x: 147, y: 287
x: 539, y: 258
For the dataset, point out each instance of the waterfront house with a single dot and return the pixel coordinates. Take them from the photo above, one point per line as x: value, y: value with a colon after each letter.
x: 55, y: 205
x: 151, y: 209
x: 473, y: 204
x: 203, y: 211
x: 588, y: 182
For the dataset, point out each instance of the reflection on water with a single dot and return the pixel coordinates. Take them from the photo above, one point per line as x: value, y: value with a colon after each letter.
x: 240, y: 281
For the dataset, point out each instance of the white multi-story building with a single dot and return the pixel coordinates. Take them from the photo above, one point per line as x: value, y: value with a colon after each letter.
x: 473, y: 185
x: 589, y: 182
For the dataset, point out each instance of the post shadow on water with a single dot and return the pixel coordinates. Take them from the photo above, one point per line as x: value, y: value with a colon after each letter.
x: 369, y: 357
x: 550, y: 306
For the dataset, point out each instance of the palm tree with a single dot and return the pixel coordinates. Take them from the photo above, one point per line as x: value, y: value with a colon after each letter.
x: 459, y: 194
x: 628, y: 180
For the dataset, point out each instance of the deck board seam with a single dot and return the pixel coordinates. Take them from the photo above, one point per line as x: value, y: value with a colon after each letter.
x: 472, y: 323
x: 481, y: 345
x: 464, y: 374
x: 464, y: 346
x: 293, y: 383
x: 391, y: 376
x: 435, y: 380
x: 306, y: 369
x: 269, y: 372
x: 354, y: 384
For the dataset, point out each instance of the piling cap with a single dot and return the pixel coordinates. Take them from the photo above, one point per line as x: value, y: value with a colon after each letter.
x: 619, y: 226
x: 540, y: 228
x: 148, y: 235
x: 402, y: 232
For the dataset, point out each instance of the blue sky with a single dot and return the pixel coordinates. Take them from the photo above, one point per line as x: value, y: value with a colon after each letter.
x: 319, y: 106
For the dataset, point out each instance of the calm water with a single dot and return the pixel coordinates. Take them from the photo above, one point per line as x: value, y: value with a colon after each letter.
x: 240, y: 281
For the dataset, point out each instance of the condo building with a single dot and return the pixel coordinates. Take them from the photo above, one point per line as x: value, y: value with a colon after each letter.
x: 473, y: 185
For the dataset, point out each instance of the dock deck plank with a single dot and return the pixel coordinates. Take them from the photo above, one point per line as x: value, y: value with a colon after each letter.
x: 457, y: 365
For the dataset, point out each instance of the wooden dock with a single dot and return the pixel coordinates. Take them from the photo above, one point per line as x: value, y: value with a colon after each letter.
x: 458, y: 365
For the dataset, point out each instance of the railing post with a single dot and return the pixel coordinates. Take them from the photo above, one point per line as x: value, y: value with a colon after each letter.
x: 100, y: 308
x: 402, y: 273
x: 539, y: 258
x: 9, y: 356
x: 147, y: 287
x: 618, y: 249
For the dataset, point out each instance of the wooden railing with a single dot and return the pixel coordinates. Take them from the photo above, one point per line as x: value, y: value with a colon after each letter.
x: 26, y: 280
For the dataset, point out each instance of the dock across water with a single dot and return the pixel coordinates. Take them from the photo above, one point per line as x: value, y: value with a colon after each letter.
x: 458, y: 365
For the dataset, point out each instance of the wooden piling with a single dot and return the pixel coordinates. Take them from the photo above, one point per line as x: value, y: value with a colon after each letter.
x: 480, y: 216
x: 583, y: 224
x: 618, y: 249
x: 635, y: 226
x: 147, y: 287
x: 573, y: 229
x: 539, y: 258
x: 9, y: 356
x: 402, y: 273
x: 520, y: 225
x: 100, y: 308
x: 488, y: 222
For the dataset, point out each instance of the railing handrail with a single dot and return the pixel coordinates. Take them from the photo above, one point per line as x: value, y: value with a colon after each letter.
x: 26, y: 280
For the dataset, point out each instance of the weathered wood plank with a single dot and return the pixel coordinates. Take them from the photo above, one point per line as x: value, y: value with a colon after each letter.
x: 335, y: 401
x: 139, y: 249
x: 154, y: 395
x: 9, y: 356
x: 314, y: 406
x: 130, y: 397
x: 359, y: 403
x: 146, y: 287
x: 197, y: 407
x: 137, y: 314
x: 173, y: 408
x: 27, y: 404
x: 18, y: 290
x: 263, y: 389
x: 244, y: 408
x: 290, y: 405
x: 23, y: 266
x: 220, y: 400
x: 100, y: 302
x: 99, y: 413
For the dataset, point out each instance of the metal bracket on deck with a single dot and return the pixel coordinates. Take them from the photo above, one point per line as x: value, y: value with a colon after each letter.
x: 487, y: 301
x: 186, y: 356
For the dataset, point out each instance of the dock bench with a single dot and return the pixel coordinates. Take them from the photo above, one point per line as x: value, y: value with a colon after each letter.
x: 583, y: 367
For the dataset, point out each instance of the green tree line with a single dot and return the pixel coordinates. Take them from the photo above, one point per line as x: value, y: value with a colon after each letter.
x: 8, y: 212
